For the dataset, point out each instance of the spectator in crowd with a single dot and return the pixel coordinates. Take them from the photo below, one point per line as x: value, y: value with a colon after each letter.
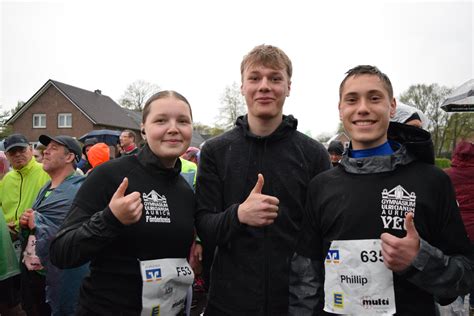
x: 98, y: 154
x: 192, y: 154
x: 84, y: 164
x: 9, y: 274
x: 410, y: 115
x: 4, y: 165
x: 38, y: 152
x: 255, y: 223
x: 335, y: 150
x: 462, y: 177
x: 127, y: 142
x: 133, y: 219
x: 42, y: 282
x: 384, y: 227
x: 19, y: 187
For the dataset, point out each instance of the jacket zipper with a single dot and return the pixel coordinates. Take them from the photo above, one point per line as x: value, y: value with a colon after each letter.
x: 19, y: 200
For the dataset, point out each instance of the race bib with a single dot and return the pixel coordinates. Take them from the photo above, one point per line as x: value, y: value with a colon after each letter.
x: 165, y: 285
x: 356, y: 281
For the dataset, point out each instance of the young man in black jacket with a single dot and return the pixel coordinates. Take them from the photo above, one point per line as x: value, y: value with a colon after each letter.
x: 251, y: 187
x: 383, y: 226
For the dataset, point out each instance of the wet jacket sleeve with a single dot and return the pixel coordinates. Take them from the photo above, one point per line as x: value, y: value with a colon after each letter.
x: 214, y: 224
x: 306, y: 283
x: 445, y: 268
x: 90, y: 225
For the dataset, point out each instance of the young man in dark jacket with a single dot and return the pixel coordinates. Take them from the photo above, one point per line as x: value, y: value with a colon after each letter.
x: 251, y: 188
x: 383, y: 226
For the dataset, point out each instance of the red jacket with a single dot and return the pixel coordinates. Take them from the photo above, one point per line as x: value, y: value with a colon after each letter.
x: 462, y: 176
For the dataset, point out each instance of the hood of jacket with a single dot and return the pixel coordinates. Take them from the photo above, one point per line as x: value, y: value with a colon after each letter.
x: 463, y: 155
x: 409, y: 144
x: 288, y: 123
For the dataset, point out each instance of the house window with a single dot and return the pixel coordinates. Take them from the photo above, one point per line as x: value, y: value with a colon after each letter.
x: 64, y: 120
x: 39, y: 120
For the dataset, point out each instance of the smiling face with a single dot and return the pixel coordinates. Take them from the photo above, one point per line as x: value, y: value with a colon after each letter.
x: 265, y: 90
x: 168, y: 129
x: 365, y: 109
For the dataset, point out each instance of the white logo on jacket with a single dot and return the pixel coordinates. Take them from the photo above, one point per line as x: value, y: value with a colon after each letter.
x: 156, y: 208
x: 395, y: 204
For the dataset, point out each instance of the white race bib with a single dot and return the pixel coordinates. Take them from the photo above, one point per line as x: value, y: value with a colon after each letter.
x: 165, y: 285
x: 356, y: 281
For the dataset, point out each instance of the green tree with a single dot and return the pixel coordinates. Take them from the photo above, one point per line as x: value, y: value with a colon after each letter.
x: 6, y: 130
x: 207, y: 131
x: 427, y: 98
x: 233, y: 106
x: 137, y: 93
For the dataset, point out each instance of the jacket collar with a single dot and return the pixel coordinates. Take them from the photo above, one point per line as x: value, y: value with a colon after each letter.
x: 409, y: 144
x: 151, y: 162
x: 29, y: 166
x: 289, y: 123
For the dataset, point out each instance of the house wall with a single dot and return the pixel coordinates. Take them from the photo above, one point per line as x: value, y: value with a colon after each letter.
x: 52, y: 102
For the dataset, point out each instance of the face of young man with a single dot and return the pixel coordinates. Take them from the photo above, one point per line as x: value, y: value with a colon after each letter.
x: 19, y: 156
x: 265, y: 90
x: 365, y: 109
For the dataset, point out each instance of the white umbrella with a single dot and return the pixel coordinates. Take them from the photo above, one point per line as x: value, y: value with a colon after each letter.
x: 461, y: 99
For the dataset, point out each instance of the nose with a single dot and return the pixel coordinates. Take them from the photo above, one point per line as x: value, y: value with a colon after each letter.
x: 363, y: 107
x: 264, y: 84
x: 173, y: 127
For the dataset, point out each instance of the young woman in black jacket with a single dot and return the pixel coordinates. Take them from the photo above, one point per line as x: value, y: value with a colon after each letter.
x: 133, y: 220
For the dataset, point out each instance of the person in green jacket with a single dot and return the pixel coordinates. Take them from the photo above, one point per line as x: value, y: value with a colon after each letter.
x: 9, y: 274
x: 20, y: 186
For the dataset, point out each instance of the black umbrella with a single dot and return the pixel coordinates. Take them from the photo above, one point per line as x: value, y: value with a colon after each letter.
x: 461, y: 99
x: 108, y: 136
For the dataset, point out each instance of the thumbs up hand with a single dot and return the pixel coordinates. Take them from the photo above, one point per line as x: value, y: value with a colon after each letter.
x: 126, y: 208
x: 258, y: 209
x: 398, y: 253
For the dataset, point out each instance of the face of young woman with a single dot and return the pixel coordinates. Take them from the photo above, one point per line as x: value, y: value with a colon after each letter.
x: 168, y: 129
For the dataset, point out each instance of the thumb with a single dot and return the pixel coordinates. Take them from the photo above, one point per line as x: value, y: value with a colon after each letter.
x: 259, y: 185
x: 410, y: 225
x: 121, y: 189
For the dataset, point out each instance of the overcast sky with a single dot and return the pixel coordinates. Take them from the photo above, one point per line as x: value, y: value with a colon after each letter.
x: 195, y: 47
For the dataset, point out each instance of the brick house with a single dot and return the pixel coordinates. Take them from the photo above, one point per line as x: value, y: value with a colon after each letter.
x: 61, y: 109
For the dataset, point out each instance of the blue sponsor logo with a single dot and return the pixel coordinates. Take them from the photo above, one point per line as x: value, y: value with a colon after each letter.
x: 338, y: 300
x: 153, y: 274
x: 332, y: 256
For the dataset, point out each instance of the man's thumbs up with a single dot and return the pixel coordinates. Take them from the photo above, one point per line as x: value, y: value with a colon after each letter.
x: 258, y: 209
x: 398, y: 253
x: 259, y: 185
x: 126, y: 208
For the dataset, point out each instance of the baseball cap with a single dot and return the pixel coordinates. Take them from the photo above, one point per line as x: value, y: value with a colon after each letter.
x: 15, y: 140
x: 67, y: 141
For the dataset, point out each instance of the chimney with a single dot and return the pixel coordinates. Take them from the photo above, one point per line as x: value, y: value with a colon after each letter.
x: 97, y: 91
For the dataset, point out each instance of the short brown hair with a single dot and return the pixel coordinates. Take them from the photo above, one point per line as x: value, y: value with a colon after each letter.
x: 161, y: 95
x: 368, y: 70
x: 268, y: 56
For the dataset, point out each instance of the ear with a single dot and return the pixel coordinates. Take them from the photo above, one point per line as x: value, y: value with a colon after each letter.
x: 339, y: 109
x: 242, y: 90
x: 289, y: 88
x: 393, y: 107
x: 142, y: 131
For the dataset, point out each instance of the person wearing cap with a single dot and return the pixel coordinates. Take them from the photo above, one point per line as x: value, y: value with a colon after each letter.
x: 41, y: 281
x: 18, y: 190
x: 21, y: 185
x: 335, y: 150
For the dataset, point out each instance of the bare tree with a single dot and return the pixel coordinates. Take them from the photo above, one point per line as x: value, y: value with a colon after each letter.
x: 233, y: 106
x: 137, y: 93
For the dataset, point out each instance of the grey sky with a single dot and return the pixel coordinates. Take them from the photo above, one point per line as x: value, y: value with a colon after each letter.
x: 195, y: 47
